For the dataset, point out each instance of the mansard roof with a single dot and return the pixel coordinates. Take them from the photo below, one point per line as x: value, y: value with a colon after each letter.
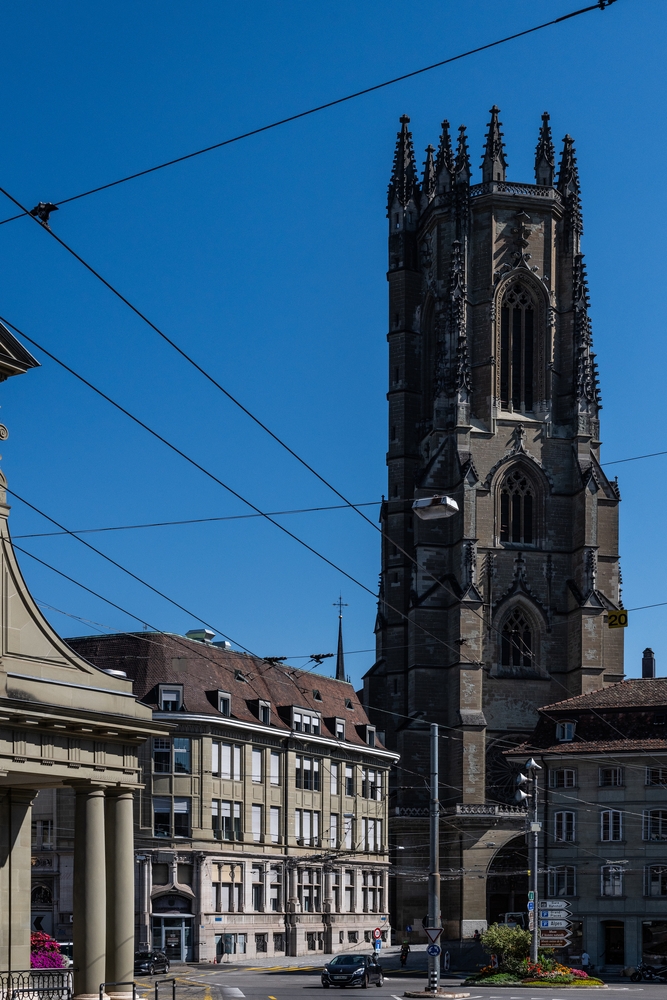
x: 151, y: 659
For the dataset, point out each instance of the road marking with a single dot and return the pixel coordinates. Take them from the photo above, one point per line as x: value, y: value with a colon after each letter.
x: 395, y: 997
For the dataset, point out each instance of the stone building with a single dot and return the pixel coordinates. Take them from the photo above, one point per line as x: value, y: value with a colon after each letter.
x: 261, y: 823
x: 604, y: 818
x: 67, y: 725
x: 493, y: 400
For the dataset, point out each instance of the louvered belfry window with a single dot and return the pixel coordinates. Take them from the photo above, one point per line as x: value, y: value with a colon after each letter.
x: 516, y: 509
x: 517, y: 332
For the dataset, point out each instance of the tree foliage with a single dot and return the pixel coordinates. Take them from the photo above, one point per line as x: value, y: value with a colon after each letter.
x: 507, y: 942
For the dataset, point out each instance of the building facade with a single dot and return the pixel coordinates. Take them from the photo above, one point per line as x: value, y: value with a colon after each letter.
x: 604, y: 818
x: 261, y: 827
x: 493, y: 400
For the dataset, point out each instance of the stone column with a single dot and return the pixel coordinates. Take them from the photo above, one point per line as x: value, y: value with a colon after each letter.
x: 15, y: 819
x: 89, y: 928
x: 120, y: 890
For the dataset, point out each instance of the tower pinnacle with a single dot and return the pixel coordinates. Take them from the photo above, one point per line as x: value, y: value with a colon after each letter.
x: 340, y: 657
x: 403, y: 184
x: 444, y: 162
x: 568, y: 185
x: 545, y: 155
x: 494, y: 163
x: 462, y: 162
x: 429, y: 183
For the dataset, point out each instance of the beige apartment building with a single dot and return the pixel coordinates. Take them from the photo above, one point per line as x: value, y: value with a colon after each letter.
x: 261, y: 823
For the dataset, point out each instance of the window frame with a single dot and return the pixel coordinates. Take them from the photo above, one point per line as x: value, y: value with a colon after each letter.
x: 611, y: 876
x: 339, y: 729
x: 565, y: 731
x: 565, y: 873
x: 264, y: 712
x: 612, y: 819
x: 618, y: 772
x: 647, y: 823
x: 649, y: 871
x: 164, y: 689
x: 565, y: 826
x: 225, y: 704
x: 555, y: 771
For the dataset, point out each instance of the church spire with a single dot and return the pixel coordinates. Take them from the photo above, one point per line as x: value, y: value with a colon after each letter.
x: 403, y: 184
x: 444, y: 162
x: 494, y: 163
x: 340, y: 656
x: 430, y: 181
x: 568, y: 185
x: 545, y: 155
x: 462, y: 162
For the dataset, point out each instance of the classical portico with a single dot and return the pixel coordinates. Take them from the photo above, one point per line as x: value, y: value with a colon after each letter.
x: 64, y: 722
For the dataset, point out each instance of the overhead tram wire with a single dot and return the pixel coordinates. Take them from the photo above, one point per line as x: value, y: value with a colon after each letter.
x: 224, y: 485
x: 600, y: 5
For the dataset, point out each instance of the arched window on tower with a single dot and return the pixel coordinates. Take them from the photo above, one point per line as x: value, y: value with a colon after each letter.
x: 517, y: 333
x: 516, y: 509
x: 516, y: 642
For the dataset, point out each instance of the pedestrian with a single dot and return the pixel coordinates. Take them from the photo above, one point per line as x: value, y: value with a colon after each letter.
x: 476, y: 937
x: 585, y: 961
x: 405, y: 951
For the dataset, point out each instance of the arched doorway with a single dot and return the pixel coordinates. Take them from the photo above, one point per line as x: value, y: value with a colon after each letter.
x: 507, y: 881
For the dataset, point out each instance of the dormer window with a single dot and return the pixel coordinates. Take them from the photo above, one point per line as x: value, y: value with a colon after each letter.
x: 348, y: 704
x: 224, y: 703
x: 339, y: 729
x: 265, y: 713
x: 565, y: 731
x: 316, y: 695
x: 370, y: 736
x: 170, y: 698
x: 239, y: 676
x: 305, y: 722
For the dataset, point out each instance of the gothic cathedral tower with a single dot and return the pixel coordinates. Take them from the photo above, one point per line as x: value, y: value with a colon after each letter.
x: 493, y: 400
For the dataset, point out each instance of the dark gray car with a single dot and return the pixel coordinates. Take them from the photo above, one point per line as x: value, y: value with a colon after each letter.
x: 352, y: 970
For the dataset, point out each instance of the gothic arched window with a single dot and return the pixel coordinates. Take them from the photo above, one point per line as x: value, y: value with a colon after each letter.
x: 516, y: 642
x: 517, y: 333
x: 41, y: 896
x: 516, y: 509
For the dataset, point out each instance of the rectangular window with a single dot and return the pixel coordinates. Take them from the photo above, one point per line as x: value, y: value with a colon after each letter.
x: 335, y: 778
x: 307, y: 773
x: 171, y: 699
x: 215, y: 819
x: 161, y: 817
x: 226, y: 820
x: 275, y: 891
x: 274, y: 820
x: 333, y: 830
x: 349, y: 892
x: 275, y: 768
x: 298, y: 825
x: 370, y: 736
x: 265, y: 713
x: 161, y: 756
x: 611, y: 880
x: 309, y: 889
x: 256, y: 823
x: 257, y: 888
x: 256, y: 765
x: 655, y: 880
x: 182, y: 755
x: 610, y: 777
x: 565, y: 731
x: 561, y: 881
x: 656, y: 775
x: 261, y: 943
x: 611, y: 824
x: 181, y: 817
x: 230, y: 761
x: 215, y: 758
x: 304, y: 722
x: 340, y: 729
x: 349, y: 780
x: 563, y: 777
x: 348, y: 832
x: 655, y: 824
x: 224, y: 703
x: 564, y: 826
x: 278, y: 942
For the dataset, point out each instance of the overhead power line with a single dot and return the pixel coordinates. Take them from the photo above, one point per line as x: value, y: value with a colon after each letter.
x: 600, y: 5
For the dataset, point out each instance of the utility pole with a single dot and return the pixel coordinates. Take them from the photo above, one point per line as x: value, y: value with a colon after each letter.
x: 533, y: 829
x: 434, y: 872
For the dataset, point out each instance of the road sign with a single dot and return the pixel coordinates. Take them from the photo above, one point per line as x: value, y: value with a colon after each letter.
x: 377, y: 933
x: 565, y: 936
x: 433, y: 933
x: 558, y: 914
x: 408, y: 929
x: 433, y: 950
x: 555, y: 943
x: 531, y: 905
x: 555, y: 923
x: 378, y: 944
x: 555, y: 932
x: 531, y: 921
x: 554, y: 904
x: 617, y: 619
x: 531, y: 896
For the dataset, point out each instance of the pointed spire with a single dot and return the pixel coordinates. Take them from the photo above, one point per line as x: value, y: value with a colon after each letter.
x: 430, y: 181
x: 403, y: 184
x: 462, y: 163
x: 545, y: 155
x: 568, y: 185
x: 494, y: 163
x: 340, y: 656
x: 444, y: 162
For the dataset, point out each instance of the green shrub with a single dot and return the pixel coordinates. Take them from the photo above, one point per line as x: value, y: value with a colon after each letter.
x: 507, y: 942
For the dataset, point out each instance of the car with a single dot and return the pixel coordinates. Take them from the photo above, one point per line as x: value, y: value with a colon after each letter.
x: 66, y: 950
x: 352, y: 970
x: 147, y: 963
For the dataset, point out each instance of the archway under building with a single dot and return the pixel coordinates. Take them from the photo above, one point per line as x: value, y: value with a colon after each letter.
x: 507, y: 881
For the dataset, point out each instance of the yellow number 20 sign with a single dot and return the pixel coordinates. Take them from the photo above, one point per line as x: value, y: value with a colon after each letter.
x: 617, y: 619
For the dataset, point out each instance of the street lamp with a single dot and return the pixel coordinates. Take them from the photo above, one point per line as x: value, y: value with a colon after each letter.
x: 534, y: 827
x: 435, y: 507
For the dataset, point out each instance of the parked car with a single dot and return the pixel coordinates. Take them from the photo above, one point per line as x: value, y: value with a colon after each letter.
x: 66, y: 948
x: 147, y: 963
x: 352, y: 970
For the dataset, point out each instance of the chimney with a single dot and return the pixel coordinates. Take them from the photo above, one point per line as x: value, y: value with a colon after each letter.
x: 648, y: 663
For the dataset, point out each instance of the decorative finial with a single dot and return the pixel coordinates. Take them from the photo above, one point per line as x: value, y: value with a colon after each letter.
x: 568, y: 185
x: 403, y: 184
x: 429, y: 183
x: 545, y: 155
x: 444, y: 163
x: 462, y: 163
x: 494, y: 163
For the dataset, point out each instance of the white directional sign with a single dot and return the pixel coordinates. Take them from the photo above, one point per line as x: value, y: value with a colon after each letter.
x: 554, y: 904
x: 558, y: 914
x: 564, y: 924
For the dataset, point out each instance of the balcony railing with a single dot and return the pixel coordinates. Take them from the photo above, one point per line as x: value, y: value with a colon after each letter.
x: 40, y: 984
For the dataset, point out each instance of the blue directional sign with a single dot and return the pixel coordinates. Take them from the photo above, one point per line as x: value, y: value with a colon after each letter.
x: 433, y: 950
x: 531, y: 905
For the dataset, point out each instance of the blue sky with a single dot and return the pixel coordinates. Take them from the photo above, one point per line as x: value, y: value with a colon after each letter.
x: 266, y: 261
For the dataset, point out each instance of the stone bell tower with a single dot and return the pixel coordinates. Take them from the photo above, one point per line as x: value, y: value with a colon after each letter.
x: 493, y: 400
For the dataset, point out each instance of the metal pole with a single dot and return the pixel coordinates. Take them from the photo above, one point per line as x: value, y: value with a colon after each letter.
x: 434, y: 872
x: 534, y: 833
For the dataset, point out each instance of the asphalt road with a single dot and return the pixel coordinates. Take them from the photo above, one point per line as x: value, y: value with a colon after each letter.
x: 303, y: 983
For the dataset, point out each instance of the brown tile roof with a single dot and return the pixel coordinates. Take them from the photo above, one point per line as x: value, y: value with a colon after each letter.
x: 590, y: 746
x: 636, y: 693
x: 153, y: 658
